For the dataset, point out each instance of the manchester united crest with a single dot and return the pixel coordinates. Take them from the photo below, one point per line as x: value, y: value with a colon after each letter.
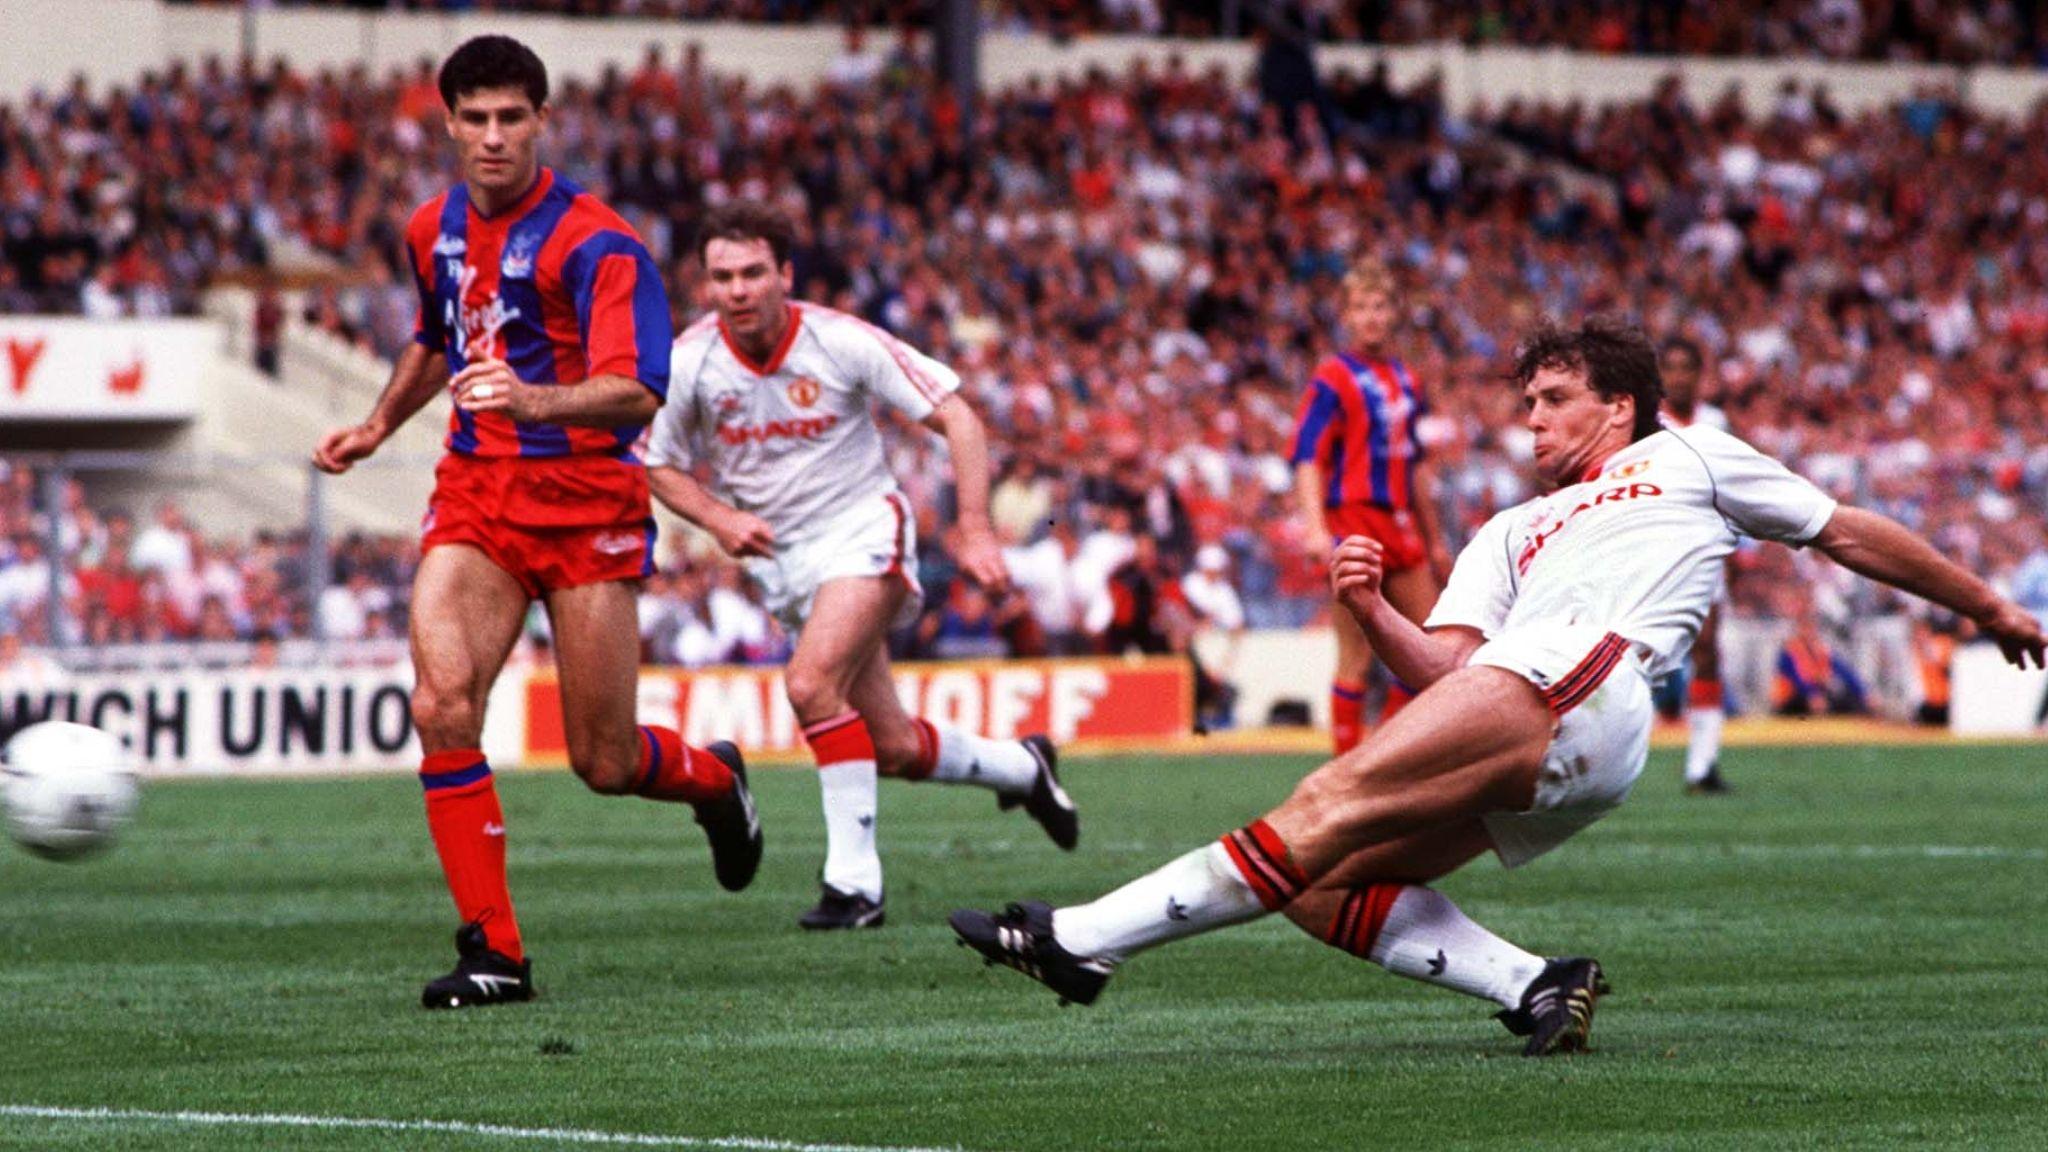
x: 803, y: 391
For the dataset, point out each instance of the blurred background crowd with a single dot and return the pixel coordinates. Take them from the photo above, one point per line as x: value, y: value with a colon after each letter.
x: 1136, y: 275
x: 2003, y: 31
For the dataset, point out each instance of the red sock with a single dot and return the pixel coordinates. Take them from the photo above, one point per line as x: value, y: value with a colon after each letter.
x: 840, y: 739
x: 469, y: 834
x: 1266, y: 864
x: 672, y: 770
x: 1704, y: 694
x: 1359, y: 919
x: 1398, y: 697
x: 927, y: 760
x: 1347, y: 715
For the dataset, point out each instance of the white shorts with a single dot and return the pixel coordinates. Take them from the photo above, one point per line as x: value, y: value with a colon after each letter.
x: 873, y: 537
x: 1595, y: 682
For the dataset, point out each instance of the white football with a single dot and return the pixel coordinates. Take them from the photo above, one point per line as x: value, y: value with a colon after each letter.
x: 66, y: 788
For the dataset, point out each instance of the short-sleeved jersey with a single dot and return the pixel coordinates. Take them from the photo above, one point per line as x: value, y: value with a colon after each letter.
x: 557, y: 286
x: 1358, y: 426
x: 793, y: 440
x: 1635, y: 548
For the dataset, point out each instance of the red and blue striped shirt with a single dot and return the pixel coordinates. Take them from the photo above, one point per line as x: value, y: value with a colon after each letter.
x: 557, y: 286
x: 1358, y: 426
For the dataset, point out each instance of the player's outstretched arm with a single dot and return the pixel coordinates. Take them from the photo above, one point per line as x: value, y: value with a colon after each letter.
x: 1308, y: 497
x: 1417, y: 657
x: 598, y: 402
x: 419, y: 374
x: 737, y: 533
x: 980, y: 556
x: 1883, y: 549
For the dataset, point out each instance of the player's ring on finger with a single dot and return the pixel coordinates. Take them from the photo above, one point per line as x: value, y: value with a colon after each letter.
x: 482, y: 392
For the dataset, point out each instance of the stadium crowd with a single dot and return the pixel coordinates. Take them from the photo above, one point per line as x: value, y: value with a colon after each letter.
x: 1135, y: 276
x: 2010, y: 32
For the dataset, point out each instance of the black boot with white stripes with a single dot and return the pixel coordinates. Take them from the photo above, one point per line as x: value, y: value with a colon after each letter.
x: 1022, y: 938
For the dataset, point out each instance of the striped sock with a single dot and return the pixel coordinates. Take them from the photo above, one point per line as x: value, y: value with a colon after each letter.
x: 1398, y: 696
x: 1195, y: 893
x: 672, y: 770
x: 468, y: 827
x: 1347, y: 715
x: 847, y: 789
x: 950, y: 755
x: 1266, y: 864
x: 1417, y: 932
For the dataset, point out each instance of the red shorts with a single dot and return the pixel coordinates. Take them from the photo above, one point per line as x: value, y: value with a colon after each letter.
x: 1395, y: 530
x: 555, y: 522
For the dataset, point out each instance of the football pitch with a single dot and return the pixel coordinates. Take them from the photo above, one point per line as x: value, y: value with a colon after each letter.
x: 1847, y: 952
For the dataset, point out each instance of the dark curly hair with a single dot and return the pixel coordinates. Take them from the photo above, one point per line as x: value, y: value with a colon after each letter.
x: 493, y: 62
x: 1615, y: 355
x: 748, y: 220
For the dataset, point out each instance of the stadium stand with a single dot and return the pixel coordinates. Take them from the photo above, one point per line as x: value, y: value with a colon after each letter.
x: 1863, y: 282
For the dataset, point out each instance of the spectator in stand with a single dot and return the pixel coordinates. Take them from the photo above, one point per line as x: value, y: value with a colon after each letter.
x: 1812, y: 678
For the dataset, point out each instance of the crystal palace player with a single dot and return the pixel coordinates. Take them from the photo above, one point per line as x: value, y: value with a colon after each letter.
x: 551, y: 315
x: 1534, y: 716
x: 773, y: 395
x: 1359, y: 470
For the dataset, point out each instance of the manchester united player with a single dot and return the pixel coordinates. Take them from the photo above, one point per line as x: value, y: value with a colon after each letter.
x: 1359, y: 471
x: 1535, y: 715
x: 551, y: 317
x: 773, y: 395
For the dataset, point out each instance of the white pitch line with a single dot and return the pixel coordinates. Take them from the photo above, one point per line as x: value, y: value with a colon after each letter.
x: 445, y: 1127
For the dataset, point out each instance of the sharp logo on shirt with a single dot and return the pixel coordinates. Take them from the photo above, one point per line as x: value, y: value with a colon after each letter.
x: 1534, y: 544
x: 807, y: 429
x: 803, y: 391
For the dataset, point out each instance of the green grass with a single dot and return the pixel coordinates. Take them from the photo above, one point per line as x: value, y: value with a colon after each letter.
x: 1848, y: 952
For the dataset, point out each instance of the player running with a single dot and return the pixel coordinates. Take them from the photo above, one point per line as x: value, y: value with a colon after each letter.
x: 1683, y: 367
x: 1534, y: 717
x: 1359, y: 470
x: 773, y: 395
x: 551, y: 316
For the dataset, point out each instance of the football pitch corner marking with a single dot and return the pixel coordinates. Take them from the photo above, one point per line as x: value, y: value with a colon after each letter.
x: 588, y: 1136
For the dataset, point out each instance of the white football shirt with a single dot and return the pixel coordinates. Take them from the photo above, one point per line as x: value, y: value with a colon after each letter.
x: 793, y: 440
x: 1636, y: 549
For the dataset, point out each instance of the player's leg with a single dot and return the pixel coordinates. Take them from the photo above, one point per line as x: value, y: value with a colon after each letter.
x: 1703, y: 711
x: 1473, y: 743
x: 1347, y: 684
x: 1022, y: 773
x: 597, y: 660
x: 1412, y: 591
x: 466, y: 613
x: 847, y: 624
x: 1378, y: 905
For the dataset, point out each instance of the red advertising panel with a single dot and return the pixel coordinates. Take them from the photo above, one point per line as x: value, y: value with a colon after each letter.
x: 1103, y: 703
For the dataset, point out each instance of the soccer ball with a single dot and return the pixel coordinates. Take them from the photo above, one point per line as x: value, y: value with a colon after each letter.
x: 66, y: 788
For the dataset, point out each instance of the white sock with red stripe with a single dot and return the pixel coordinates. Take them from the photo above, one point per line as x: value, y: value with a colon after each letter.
x: 952, y: 756
x: 1196, y: 893
x: 1417, y: 932
x: 847, y: 786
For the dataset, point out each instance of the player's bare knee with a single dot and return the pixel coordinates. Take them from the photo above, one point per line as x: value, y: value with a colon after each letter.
x: 445, y: 719
x: 813, y: 694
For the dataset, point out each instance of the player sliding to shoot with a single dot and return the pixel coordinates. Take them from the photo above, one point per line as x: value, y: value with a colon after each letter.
x: 773, y: 394
x: 1535, y: 715
x: 551, y: 315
